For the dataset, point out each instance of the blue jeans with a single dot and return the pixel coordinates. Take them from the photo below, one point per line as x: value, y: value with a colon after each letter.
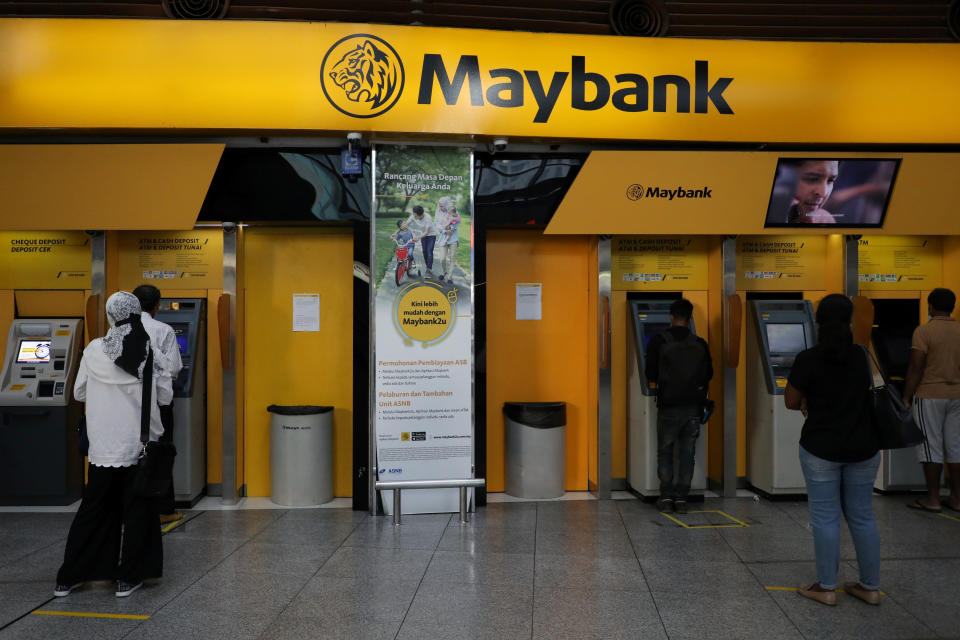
x: 847, y: 487
x: 677, y: 432
x: 426, y: 243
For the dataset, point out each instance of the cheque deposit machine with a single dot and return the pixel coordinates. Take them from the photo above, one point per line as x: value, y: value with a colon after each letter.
x: 39, y: 460
x: 650, y: 317
x: 892, y: 334
x: 185, y: 317
x: 777, y: 330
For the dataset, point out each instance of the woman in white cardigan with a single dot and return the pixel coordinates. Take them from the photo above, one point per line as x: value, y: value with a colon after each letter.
x: 110, y: 380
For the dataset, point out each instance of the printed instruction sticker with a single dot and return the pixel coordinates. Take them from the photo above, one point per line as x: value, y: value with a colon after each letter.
x: 306, y: 312
x: 529, y: 301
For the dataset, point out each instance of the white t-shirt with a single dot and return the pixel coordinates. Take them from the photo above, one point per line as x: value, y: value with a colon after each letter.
x: 421, y: 227
x: 163, y: 341
x: 113, y: 407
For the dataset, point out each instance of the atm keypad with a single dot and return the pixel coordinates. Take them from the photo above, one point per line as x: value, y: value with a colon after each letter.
x: 58, y: 389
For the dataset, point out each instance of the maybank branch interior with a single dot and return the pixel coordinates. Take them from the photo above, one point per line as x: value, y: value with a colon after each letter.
x: 577, y: 186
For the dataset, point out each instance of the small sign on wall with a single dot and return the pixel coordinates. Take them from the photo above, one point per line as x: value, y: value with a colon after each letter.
x: 658, y: 263
x: 781, y: 263
x: 306, y: 312
x: 529, y: 301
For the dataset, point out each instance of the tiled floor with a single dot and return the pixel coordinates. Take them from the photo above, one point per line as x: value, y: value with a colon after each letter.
x: 561, y: 569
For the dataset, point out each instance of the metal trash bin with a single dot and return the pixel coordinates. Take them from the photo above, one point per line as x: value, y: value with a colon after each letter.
x: 301, y: 455
x: 535, y: 444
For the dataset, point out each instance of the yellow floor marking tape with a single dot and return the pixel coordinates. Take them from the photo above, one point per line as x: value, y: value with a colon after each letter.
x: 739, y: 524
x: 944, y: 515
x: 175, y: 524
x: 794, y: 589
x: 81, y: 614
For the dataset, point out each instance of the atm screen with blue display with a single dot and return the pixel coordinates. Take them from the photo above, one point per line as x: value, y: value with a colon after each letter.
x: 651, y: 329
x: 182, y: 334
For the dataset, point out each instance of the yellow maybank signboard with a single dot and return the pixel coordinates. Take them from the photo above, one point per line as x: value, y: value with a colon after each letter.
x: 275, y: 76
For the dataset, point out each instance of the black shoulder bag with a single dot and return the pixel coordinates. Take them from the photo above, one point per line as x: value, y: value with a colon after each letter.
x: 156, y: 458
x: 891, y: 418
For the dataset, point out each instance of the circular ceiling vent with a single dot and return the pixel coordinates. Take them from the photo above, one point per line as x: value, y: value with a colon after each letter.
x: 639, y: 18
x: 953, y: 19
x: 196, y: 9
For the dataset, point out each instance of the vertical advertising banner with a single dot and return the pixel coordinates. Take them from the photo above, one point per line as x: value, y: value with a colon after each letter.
x: 423, y: 319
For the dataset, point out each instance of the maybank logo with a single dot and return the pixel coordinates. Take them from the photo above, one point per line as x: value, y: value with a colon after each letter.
x: 362, y: 75
x: 636, y: 192
x: 589, y: 91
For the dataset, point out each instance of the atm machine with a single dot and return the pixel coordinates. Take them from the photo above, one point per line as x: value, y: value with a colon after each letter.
x: 777, y: 330
x: 39, y: 460
x: 893, y: 325
x: 185, y: 316
x: 650, y: 317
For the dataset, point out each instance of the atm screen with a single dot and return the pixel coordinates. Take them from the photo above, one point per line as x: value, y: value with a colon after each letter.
x: 33, y: 351
x: 786, y: 338
x: 651, y: 329
x: 182, y: 334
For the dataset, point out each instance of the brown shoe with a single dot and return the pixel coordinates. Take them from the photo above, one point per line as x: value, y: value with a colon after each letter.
x: 167, y: 518
x: 870, y: 596
x: 828, y: 598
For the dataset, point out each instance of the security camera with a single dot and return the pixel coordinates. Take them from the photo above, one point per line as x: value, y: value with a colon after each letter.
x: 354, y: 137
x: 500, y: 144
x: 229, y: 226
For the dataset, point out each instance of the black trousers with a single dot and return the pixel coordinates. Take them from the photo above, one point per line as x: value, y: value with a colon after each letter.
x: 167, y: 502
x: 115, y: 535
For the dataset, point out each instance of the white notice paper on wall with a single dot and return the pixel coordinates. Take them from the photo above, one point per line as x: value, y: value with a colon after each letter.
x: 306, y: 312
x: 529, y: 301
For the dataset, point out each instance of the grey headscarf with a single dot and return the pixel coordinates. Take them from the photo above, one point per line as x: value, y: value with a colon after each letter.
x: 126, y: 342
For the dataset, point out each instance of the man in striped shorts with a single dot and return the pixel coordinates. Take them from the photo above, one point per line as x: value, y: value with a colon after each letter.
x: 934, y: 376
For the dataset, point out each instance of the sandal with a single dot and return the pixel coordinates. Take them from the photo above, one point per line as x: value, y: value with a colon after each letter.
x: 919, y: 506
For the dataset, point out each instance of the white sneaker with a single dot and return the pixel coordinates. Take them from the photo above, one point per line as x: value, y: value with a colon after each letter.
x: 64, y: 589
x: 126, y: 588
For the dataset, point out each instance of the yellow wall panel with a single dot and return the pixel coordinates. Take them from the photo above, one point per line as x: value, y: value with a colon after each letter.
x: 50, y: 304
x: 541, y: 360
x: 296, y: 368
x: 7, y: 311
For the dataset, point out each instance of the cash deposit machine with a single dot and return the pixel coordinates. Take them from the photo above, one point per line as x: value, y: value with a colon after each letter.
x: 185, y: 317
x: 650, y: 317
x: 777, y: 330
x: 39, y: 460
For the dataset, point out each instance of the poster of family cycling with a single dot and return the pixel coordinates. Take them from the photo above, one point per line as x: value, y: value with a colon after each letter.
x: 423, y: 279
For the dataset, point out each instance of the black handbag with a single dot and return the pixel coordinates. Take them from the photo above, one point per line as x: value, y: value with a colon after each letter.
x: 892, y: 419
x: 156, y: 458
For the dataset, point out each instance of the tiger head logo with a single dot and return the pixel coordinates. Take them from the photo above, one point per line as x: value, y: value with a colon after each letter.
x: 362, y: 76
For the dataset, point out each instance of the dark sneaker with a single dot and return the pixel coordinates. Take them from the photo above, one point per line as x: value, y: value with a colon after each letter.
x: 665, y: 504
x: 126, y: 588
x: 680, y: 506
x: 64, y: 589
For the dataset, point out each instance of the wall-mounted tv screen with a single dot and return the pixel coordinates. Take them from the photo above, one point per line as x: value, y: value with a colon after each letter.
x: 823, y: 192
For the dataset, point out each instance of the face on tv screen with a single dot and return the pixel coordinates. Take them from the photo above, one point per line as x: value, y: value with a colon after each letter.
x: 818, y: 192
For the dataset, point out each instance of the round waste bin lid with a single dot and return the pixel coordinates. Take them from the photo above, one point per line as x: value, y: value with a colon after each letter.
x: 298, y: 410
x: 537, y: 414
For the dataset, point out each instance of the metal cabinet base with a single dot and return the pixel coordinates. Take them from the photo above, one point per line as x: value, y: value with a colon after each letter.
x: 39, y: 461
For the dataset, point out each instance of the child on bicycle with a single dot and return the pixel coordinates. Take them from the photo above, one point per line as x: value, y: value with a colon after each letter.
x: 404, y: 236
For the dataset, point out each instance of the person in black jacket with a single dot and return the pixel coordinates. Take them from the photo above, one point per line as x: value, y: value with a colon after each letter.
x: 679, y: 363
x: 839, y: 451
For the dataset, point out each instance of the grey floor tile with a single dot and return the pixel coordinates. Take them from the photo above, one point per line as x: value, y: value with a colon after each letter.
x: 196, y: 624
x: 679, y: 544
x: 737, y: 616
x: 470, y: 568
x: 513, y: 515
x: 505, y: 607
x: 353, y: 599
x: 296, y: 628
x: 295, y: 559
x: 767, y: 542
x: 850, y: 618
x: 414, y: 631
x: 12, y: 608
x: 225, y: 525
x: 376, y: 564
x: 38, y: 590
x: 699, y: 577
x: 488, y: 540
x: 416, y: 532
x: 589, y: 572
x: 613, y: 542
x: 54, y: 627
x: 37, y: 566
x: 231, y: 592
x: 927, y: 589
x: 595, y: 614
x: 101, y: 597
